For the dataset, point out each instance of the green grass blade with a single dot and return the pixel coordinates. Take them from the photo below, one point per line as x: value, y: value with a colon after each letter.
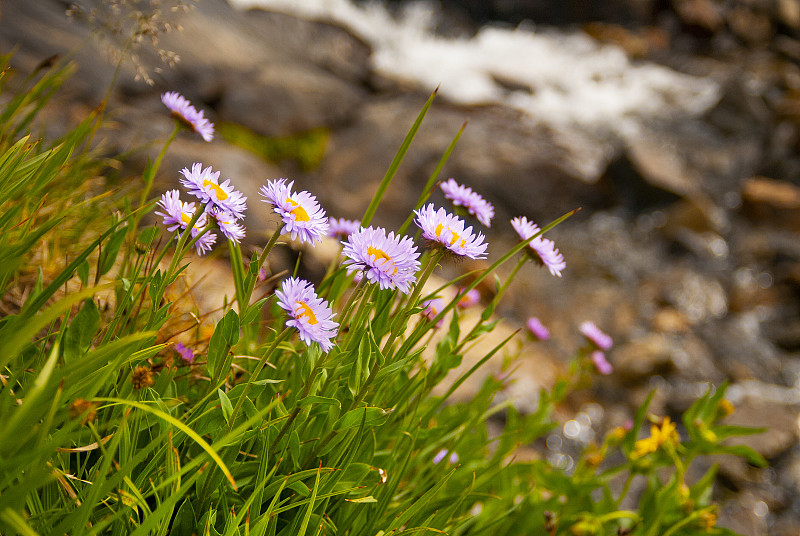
x: 398, y: 158
x: 431, y: 184
x: 180, y: 426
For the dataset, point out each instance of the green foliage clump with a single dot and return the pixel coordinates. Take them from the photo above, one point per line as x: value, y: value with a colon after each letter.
x: 307, y: 148
x: 105, y: 428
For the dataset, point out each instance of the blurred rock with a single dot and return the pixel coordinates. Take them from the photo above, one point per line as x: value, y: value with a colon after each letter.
x: 779, y: 420
x: 750, y: 25
x: 703, y: 13
x: 789, y: 12
x: 642, y: 357
x: 773, y: 201
x: 669, y: 320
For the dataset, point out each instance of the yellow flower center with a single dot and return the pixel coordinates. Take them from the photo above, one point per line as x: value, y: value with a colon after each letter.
x: 299, y: 212
x: 303, y: 310
x: 380, y: 254
x: 455, y: 237
x: 186, y: 219
x: 221, y: 195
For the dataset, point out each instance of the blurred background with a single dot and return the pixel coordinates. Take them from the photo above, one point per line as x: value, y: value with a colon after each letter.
x: 672, y: 124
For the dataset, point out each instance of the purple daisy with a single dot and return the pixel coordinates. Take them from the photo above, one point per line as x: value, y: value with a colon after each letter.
x: 472, y: 201
x: 545, y: 249
x: 204, y: 184
x: 187, y: 115
x: 600, y: 363
x: 433, y: 308
x: 538, y: 329
x: 390, y: 261
x: 468, y: 299
x: 595, y: 335
x: 227, y: 224
x: 341, y: 228
x: 187, y: 354
x: 310, y: 314
x: 300, y: 211
x: 178, y: 214
x: 443, y: 228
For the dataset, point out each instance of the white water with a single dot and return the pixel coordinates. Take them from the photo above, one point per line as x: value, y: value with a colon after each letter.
x: 573, y: 81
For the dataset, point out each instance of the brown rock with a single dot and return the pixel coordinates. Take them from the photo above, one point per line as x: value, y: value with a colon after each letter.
x: 772, y: 201
x: 780, y: 421
x: 702, y: 13
x: 789, y: 12
x: 750, y: 25
x: 669, y: 320
x: 641, y: 357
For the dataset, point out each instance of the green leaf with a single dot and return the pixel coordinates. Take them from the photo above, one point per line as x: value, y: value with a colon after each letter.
x: 311, y: 502
x: 226, y: 334
x: 726, y: 431
x: 294, y: 447
x: 15, y: 334
x: 371, y: 416
x: 752, y: 457
x: 227, y: 407
x: 185, y: 521
x: 16, y: 522
x: 251, y: 315
x: 83, y: 272
x: 314, y: 399
x: 81, y: 330
x: 108, y: 256
x: 363, y: 500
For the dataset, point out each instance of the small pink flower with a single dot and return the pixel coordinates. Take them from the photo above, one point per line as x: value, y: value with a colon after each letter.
x: 600, y: 362
x: 538, y: 329
x: 594, y: 335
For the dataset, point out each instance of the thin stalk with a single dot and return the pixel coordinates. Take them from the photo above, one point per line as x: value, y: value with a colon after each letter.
x: 431, y: 184
x: 398, y: 158
x: 180, y: 249
x: 150, y: 174
x: 412, y: 301
x: 251, y: 281
x: 297, y: 409
x: 261, y: 363
x: 625, y: 489
x: 493, y: 305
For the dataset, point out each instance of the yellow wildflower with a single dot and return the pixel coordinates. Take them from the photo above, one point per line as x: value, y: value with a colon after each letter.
x: 666, y: 433
x: 617, y: 434
x: 708, y: 520
x: 725, y: 408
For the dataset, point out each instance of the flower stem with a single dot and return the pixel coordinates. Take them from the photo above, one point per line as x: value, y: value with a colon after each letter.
x: 493, y: 305
x: 400, y: 321
x: 150, y: 173
x: 261, y: 362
